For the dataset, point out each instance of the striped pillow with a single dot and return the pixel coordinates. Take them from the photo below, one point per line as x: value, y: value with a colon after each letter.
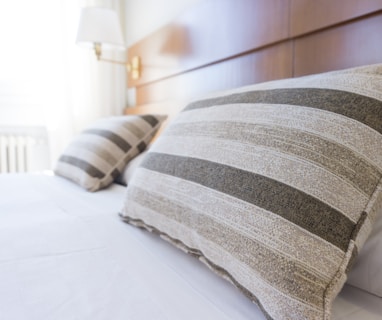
x: 274, y: 186
x: 99, y: 154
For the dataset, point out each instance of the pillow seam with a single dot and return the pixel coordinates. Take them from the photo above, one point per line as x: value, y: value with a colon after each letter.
x: 341, y: 271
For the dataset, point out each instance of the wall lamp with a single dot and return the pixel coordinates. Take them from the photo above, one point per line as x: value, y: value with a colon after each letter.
x: 100, y: 29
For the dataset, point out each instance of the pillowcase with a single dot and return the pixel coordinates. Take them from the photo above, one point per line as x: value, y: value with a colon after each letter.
x: 127, y: 173
x: 275, y: 186
x: 99, y: 154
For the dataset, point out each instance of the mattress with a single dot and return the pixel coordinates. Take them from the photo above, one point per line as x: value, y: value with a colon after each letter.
x: 66, y: 254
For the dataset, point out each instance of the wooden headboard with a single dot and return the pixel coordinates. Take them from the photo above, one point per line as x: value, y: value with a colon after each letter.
x: 223, y: 44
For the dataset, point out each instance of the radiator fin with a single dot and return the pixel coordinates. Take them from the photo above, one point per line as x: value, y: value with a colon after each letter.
x: 23, y: 149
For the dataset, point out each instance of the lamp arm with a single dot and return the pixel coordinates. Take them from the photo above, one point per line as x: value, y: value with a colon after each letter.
x: 112, y: 61
x: 134, y: 67
x: 128, y: 66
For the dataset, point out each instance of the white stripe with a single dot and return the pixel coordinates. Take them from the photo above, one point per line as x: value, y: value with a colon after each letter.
x: 328, y: 125
x: 100, y: 143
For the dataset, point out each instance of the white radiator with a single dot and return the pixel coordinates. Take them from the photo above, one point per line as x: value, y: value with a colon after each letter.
x: 23, y: 149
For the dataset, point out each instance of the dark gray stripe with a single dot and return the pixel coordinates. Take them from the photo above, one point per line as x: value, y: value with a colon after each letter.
x: 358, y: 107
x: 150, y: 119
x: 141, y: 146
x: 334, y: 157
x: 292, y: 204
x: 114, y: 138
x: 83, y: 165
x: 115, y: 173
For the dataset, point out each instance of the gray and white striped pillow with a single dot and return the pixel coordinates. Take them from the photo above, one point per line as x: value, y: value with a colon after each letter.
x: 99, y: 154
x: 274, y: 186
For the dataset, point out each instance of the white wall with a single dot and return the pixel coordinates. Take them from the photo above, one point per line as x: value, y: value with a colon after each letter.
x: 27, y: 60
x: 142, y: 17
x: 145, y: 16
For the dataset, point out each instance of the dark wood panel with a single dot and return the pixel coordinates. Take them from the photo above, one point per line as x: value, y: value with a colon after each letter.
x: 270, y: 63
x: 354, y: 44
x: 223, y: 44
x: 310, y: 15
x: 210, y: 32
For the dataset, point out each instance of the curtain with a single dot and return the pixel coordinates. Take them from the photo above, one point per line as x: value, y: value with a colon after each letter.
x: 46, y: 79
x: 91, y: 88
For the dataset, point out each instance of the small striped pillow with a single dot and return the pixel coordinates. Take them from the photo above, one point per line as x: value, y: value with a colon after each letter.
x: 99, y: 154
x: 275, y: 186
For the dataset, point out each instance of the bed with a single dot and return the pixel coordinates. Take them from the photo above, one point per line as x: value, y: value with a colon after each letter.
x: 66, y: 251
x: 66, y: 255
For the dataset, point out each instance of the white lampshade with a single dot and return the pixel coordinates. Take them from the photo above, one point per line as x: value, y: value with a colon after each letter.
x: 100, y: 25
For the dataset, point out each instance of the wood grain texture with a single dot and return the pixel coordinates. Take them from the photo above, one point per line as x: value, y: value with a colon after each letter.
x: 270, y: 63
x: 308, y: 15
x: 354, y: 44
x: 223, y: 44
x: 213, y: 31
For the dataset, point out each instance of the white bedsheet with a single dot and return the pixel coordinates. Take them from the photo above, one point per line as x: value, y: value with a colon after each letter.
x: 65, y: 254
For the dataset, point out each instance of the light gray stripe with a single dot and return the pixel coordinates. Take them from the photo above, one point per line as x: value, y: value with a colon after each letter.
x: 331, y: 126
x: 332, y: 156
x: 134, y: 129
x: 97, y: 149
